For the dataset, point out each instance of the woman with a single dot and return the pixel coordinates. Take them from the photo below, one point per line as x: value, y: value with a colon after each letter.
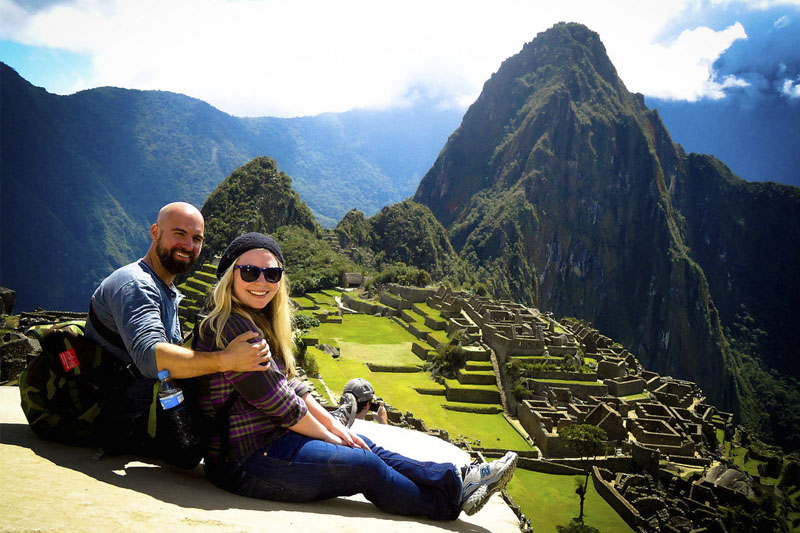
x: 280, y: 443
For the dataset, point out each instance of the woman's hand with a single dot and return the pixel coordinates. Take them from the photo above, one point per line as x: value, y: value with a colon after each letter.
x: 332, y: 425
x: 348, y: 437
x: 333, y: 439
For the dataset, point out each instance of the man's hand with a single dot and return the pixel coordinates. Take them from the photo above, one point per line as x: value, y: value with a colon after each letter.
x: 243, y: 355
x: 380, y: 415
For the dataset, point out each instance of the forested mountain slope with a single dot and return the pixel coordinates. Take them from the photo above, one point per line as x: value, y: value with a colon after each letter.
x: 567, y: 192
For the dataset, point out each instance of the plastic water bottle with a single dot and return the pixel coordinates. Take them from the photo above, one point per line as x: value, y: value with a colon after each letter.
x: 176, y: 416
x: 170, y: 396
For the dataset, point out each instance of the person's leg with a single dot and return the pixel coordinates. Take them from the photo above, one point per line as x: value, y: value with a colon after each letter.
x: 125, y: 428
x: 124, y: 421
x: 297, y: 468
x: 481, y: 480
x: 444, y: 476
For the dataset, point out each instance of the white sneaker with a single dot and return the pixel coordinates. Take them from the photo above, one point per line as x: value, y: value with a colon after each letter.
x: 346, y: 412
x: 484, y: 479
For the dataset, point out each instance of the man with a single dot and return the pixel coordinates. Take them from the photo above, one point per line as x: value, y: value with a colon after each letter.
x: 134, y: 315
x: 358, y: 399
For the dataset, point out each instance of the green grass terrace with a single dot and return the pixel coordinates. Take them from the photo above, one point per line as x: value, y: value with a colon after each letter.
x: 549, y: 500
x: 366, y: 339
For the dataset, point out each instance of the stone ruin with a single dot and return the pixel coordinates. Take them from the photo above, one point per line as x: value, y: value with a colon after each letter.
x: 655, y: 424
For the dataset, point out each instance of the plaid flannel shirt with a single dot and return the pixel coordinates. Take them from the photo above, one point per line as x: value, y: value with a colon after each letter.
x: 268, y: 404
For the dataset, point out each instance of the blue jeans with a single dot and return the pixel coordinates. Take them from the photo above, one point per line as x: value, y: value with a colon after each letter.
x: 296, y: 468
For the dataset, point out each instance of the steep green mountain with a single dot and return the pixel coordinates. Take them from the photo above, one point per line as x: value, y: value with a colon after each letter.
x: 259, y: 197
x: 566, y: 191
x: 84, y: 175
x: 406, y: 232
x: 255, y: 197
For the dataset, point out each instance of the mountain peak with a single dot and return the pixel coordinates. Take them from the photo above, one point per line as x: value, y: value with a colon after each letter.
x: 563, y: 76
x: 566, y: 192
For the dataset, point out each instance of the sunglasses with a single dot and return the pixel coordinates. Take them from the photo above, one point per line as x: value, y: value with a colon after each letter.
x: 250, y: 273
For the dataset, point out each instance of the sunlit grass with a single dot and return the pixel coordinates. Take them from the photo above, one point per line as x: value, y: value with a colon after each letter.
x: 303, y: 302
x: 440, y: 336
x: 379, y: 340
x: 549, y: 500
x: 323, y: 299
x: 633, y: 397
x: 363, y: 329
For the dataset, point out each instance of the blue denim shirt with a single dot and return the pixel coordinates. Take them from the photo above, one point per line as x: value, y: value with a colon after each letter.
x: 134, y: 302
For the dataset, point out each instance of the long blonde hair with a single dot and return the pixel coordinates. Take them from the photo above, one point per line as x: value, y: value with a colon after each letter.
x: 274, y: 322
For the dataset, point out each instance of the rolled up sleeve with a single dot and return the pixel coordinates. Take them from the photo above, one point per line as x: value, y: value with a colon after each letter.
x: 137, y: 316
x: 300, y: 388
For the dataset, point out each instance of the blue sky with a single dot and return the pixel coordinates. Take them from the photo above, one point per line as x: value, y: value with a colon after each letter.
x: 277, y: 58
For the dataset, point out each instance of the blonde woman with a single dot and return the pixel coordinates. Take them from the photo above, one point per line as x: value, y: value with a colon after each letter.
x: 278, y: 443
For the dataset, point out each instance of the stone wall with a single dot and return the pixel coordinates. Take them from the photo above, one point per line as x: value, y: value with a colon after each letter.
x: 547, y: 467
x: 367, y: 307
x: 15, y: 351
x: 647, y: 458
x: 412, y: 294
x: 461, y: 323
x: 616, y: 501
x: 625, y: 386
x: 559, y: 374
x: 654, y: 432
x: 420, y: 351
x: 613, y: 463
x: 7, y: 299
x: 580, y: 390
x: 394, y: 302
x: 468, y: 395
x: 611, y: 368
x: 434, y: 324
x: 507, y: 346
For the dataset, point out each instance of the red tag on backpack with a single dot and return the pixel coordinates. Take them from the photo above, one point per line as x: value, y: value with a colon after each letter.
x: 68, y: 359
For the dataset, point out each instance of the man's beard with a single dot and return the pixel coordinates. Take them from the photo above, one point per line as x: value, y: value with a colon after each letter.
x: 170, y: 263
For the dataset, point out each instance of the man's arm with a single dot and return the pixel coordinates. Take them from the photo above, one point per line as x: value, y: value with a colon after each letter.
x: 239, y: 356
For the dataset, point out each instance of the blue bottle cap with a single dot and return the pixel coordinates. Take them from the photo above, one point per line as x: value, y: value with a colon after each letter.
x: 164, y: 374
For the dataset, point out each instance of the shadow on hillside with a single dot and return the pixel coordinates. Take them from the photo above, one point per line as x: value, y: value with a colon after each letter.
x: 188, y: 488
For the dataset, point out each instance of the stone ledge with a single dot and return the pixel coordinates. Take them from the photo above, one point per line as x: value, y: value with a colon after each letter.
x: 65, y: 489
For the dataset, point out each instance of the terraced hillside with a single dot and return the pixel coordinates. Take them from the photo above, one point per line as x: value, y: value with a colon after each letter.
x: 195, y: 290
x: 390, y: 352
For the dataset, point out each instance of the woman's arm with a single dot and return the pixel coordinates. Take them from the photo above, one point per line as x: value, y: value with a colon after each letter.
x: 311, y: 427
x: 267, y: 391
x: 324, y: 418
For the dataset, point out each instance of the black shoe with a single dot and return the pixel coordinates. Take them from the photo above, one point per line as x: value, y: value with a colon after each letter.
x: 346, y: 412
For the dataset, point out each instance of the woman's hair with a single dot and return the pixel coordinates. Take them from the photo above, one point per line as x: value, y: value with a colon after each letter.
x: 274, y: 321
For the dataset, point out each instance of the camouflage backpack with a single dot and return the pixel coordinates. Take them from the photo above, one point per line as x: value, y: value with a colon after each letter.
x: 65, y: 388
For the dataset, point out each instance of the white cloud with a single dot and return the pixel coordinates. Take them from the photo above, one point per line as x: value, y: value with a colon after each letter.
x: 682, y: 69
x: 782, y: 22
x: 791, y: 88
x: 309, y: 56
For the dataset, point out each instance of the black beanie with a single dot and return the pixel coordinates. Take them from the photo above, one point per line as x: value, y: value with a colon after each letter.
x: 244, y: 243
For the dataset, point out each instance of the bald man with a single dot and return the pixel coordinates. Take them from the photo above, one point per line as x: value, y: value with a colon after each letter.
x: 134, y: 315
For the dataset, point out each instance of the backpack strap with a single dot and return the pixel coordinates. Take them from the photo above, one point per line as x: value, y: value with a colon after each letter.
x: 221, y: 425
x: 114, y: 338
x: 111, y: 336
